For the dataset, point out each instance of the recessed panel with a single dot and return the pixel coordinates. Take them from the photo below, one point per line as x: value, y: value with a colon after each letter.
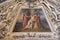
x: 32, y: 20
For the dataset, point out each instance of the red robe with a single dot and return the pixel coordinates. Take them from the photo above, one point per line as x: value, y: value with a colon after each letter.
x: 25, y: 19
x: 37, y: 19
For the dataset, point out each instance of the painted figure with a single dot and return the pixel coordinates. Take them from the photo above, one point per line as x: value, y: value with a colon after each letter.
x: 26, y: 18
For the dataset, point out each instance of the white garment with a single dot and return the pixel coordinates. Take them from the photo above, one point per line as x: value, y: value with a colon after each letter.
x: 30, y: 23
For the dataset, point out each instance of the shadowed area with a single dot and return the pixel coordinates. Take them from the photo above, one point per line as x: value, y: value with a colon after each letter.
x: 2, y: 1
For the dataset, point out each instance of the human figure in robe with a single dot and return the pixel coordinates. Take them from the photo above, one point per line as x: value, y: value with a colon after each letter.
x: 30, y: 23
x: 37, y: 22
x: 26, y: 18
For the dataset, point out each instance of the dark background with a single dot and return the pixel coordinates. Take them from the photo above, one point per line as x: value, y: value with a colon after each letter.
x: 2, y: 1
